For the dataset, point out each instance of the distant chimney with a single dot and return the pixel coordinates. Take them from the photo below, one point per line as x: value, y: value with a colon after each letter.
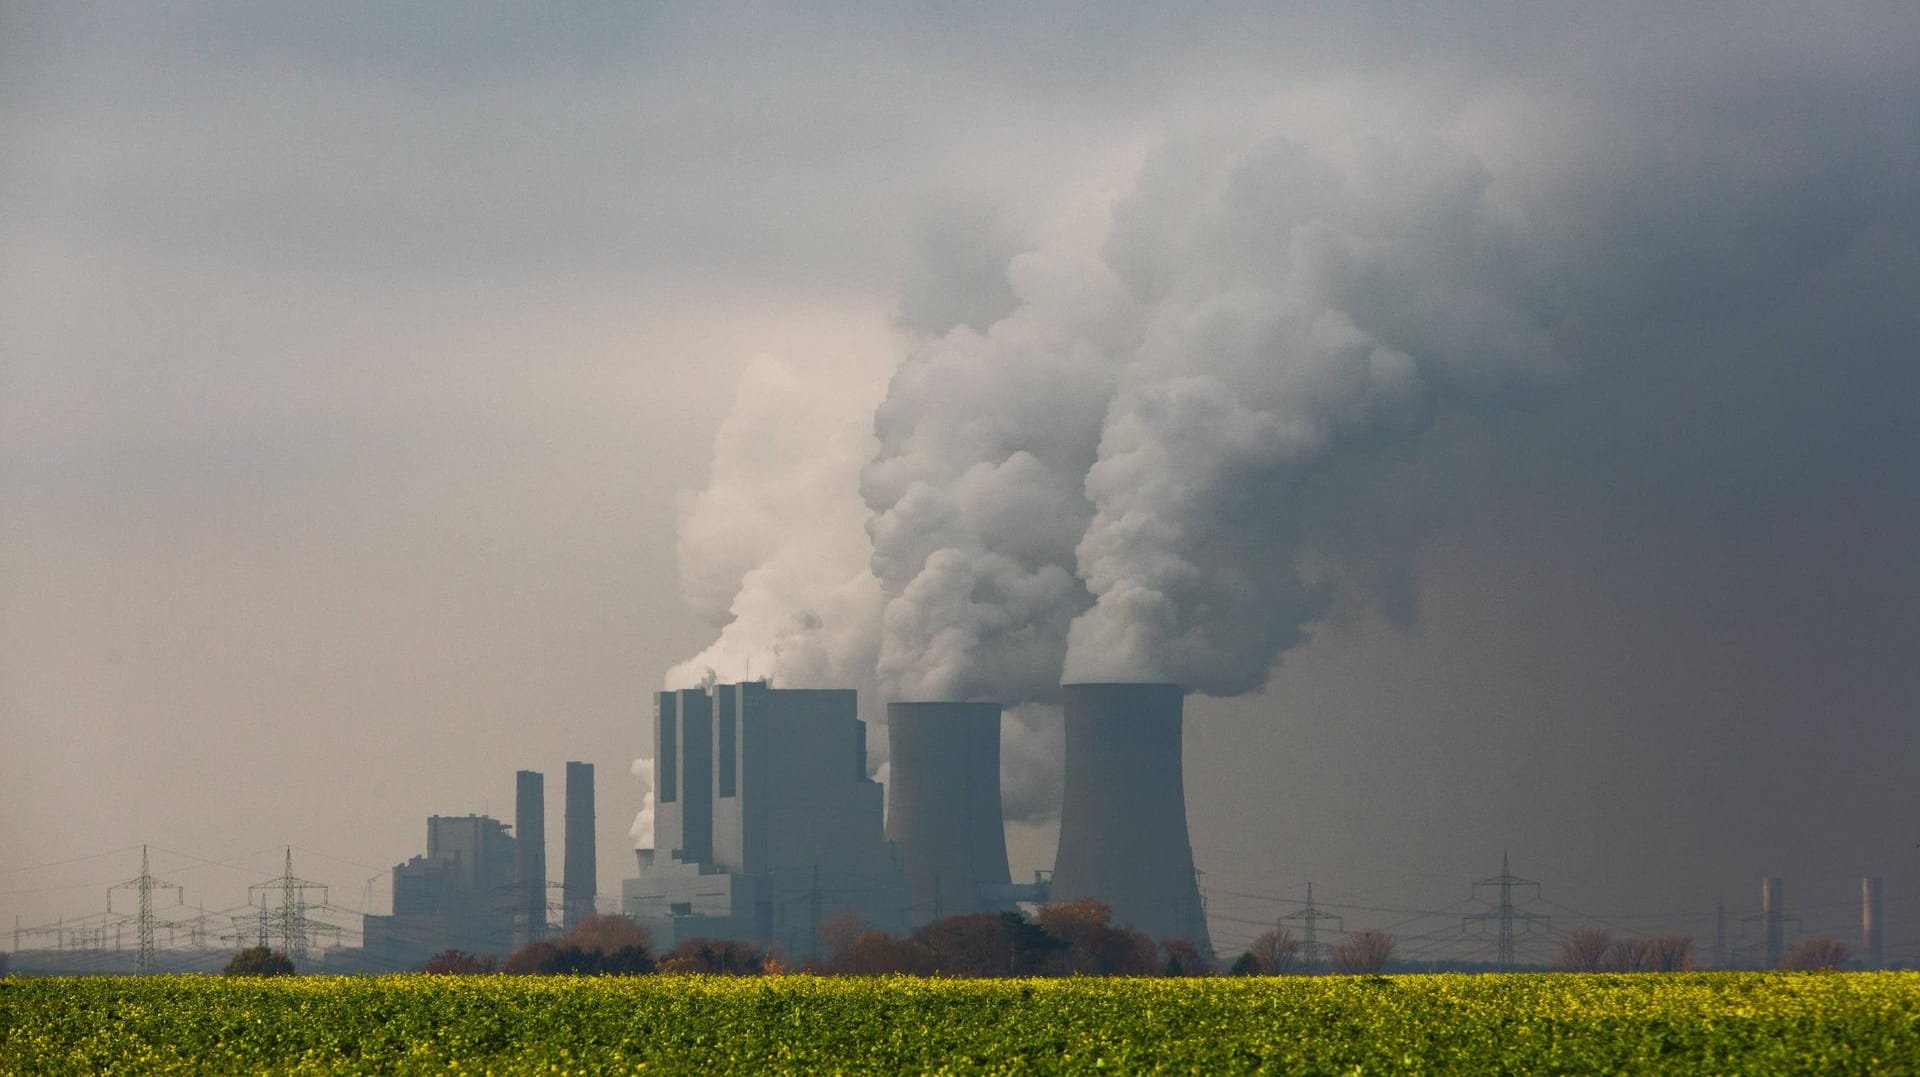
x: 943, y: 805
x: 1123, y: 815
x: 530, y: 854
x: 1872, y: 941
x: 1773, y: 915
x: 580, y: 875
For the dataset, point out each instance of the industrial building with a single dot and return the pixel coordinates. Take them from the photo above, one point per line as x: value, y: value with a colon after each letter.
x: 765, y: 822
x: 460, y: 896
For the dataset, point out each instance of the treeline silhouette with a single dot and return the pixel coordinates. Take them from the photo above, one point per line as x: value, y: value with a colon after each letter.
x: 1075, y: 938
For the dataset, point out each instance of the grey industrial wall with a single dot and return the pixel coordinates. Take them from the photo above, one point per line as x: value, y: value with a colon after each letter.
x: 580, y: 873
x: 1123, y: 813
x: 530, y: 852
x: 943, y: 805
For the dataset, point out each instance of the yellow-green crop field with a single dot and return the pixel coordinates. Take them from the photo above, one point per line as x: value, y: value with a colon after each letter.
x: 1712, y: 1023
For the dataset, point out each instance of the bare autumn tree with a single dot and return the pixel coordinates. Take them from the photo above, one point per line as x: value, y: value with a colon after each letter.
x: 607, y: 933
x: 1671, y: 953
x: 1362, y: 953
x: 877, y: 953
x: 1275, y: 952
x: 1089, y: 943
x: 1185, y: 959
x: 1815, y: 954
x: 458, y: 963
x: 1584, y: 949
x: 839, y: 932
x: 1630, y: 955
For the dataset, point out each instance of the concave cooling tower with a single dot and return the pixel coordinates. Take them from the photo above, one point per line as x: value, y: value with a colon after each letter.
x: 1123, y: 815
x: 943, y: 805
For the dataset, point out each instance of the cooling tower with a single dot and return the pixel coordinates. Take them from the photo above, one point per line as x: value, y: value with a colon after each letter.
x: 580, y: 875
x: 530, y: 854
x: 1123, y: 816
x: 943, y: 805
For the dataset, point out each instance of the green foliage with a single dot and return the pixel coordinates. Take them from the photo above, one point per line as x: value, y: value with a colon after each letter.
x: 259, y: 961
x: 1682, y: 1023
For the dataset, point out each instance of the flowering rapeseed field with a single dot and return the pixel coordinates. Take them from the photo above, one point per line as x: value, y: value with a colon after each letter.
x: 1710, y: 1023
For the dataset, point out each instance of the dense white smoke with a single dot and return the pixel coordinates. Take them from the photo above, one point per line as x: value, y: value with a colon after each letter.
x: 977, y: 492
x: 1294, y: 304
x: 772, y: 552
x: 642, y: 829
x: 1106, y: 483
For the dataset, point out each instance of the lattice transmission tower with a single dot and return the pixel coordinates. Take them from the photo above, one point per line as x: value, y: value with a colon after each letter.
x: 1505, y: 914
x: 144, y: 885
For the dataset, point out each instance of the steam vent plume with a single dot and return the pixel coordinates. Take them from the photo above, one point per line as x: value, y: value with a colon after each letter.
x: 943, y: 805
x: 1123, y: 815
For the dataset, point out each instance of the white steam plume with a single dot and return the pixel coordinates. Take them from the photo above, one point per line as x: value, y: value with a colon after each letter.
x: 1295, y: 305
x: 977, y: 492
x: 772, y: 551
x: 642, y: 829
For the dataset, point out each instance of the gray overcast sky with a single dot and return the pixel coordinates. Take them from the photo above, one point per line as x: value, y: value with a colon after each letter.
x: 356, y: 366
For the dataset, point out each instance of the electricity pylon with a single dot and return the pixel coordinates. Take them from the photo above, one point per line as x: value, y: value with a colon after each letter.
x: 293, y: 925
x: 144, y: 884
x: 1505, y: 914
x: 1309, y: 916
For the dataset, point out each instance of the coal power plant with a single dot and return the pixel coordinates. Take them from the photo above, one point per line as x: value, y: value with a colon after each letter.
x: 766, y: 821
x: 943, y: 807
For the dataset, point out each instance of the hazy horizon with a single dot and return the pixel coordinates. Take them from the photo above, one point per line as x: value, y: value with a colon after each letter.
x: 1508, y: 420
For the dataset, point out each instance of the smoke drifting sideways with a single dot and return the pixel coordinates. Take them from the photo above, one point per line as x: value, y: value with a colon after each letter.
x: 1293, y: 306
x: 1101, y: 485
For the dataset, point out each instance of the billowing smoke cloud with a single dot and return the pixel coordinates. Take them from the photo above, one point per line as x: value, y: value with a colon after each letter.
x: 977, y: 492
x: 772, y: 551
x: 1296, y: 304
x: 1105, y: 482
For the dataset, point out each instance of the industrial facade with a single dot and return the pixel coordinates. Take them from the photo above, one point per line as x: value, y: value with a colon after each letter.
x: 460, y: 896
x: 765, y: 822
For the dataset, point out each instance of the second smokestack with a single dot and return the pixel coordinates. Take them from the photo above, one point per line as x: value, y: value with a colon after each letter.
x: 530, y: 854
x: 580, y: 874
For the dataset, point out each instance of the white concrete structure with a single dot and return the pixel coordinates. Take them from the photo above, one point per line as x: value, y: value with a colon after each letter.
x: 943, y: 807
x: 765, y: 822
x: 1123, y: 812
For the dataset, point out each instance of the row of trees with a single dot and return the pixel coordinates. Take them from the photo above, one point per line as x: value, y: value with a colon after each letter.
x: 1279, y: 953
x: 1595, y: 949
x: 1076, y: 938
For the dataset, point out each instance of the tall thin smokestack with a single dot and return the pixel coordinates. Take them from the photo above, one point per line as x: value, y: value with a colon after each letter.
x: 530, y: 853
x: 943, y: 804
x: 1123, y: 816
x: 1772, y: 914
x: 1872, y: 941
x: 580, y: 873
